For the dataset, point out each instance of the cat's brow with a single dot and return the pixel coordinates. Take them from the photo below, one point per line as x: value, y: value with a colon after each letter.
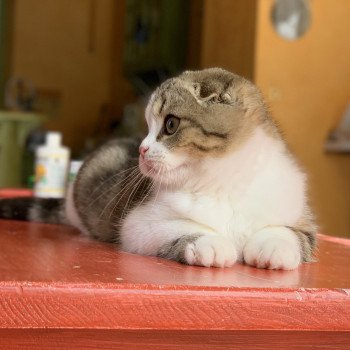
x: 203, y: 148
x: 159, y: 104
x: 162, y: 106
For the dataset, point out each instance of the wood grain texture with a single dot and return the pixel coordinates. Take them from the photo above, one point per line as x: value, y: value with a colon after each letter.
x: 174, y: 340
x: 228, y: 35
x: 60, y: 288
x: 48, y: 253
x: 163, y: 308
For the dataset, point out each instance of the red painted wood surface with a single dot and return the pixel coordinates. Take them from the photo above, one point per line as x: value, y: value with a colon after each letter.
x: 15, y: 192
x: 172, y: 340
x: 62, y: 289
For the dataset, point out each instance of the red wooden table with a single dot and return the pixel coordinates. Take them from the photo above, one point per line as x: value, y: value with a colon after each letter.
x: 60, y: 290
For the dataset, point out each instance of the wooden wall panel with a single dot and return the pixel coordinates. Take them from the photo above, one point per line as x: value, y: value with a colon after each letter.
x: 228, y: 35
x: 6, y: 19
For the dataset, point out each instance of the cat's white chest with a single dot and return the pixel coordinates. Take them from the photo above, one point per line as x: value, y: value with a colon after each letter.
x: 220, y: 213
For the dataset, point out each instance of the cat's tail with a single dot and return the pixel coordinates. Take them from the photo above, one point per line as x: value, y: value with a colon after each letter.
x: 47, y: 210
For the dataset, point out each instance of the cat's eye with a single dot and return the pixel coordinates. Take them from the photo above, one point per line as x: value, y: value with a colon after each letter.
x: 171, y: 124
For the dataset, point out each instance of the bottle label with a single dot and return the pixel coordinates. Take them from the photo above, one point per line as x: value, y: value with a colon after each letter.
x: 50, y: 176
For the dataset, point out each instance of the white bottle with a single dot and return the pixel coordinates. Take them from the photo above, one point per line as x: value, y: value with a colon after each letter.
x: 51, y: 167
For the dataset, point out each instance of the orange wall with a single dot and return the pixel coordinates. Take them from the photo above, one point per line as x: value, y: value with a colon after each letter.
x: 307, y: 82
x: 228, y: 34
x: 51, y: 46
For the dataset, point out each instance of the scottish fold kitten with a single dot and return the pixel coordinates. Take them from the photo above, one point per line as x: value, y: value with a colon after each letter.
x: 213, y: 184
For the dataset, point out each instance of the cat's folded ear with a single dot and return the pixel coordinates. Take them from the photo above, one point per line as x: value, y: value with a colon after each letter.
x: 209, y: 92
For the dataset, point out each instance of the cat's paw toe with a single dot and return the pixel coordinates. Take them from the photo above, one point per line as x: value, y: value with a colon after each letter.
x: 271, y: 251
x: 211, y: 251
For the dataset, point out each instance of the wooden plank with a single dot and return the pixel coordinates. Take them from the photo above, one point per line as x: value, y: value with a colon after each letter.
x: 52, y: 277
x: 59, y: 339
x: 28, y: 305
x: 57, y: 254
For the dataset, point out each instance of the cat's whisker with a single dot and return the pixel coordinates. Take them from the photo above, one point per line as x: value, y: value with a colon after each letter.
x: 116, y: 184
x: 120, y: 193
x: 144, y: 195
x: 131, y: 196
x: 160, y: 183
x: 119, y: 183
x: 118, y: 174
x: 135, y: 183
x: 147, y: 191
x: 124, y: 191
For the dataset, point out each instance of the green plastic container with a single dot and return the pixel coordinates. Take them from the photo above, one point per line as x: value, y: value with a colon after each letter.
x: 14, y: 129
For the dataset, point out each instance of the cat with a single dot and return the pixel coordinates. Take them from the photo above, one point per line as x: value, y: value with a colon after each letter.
x: 211, y: 184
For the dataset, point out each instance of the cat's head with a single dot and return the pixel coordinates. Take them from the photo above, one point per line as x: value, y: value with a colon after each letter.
x: 196, y: 117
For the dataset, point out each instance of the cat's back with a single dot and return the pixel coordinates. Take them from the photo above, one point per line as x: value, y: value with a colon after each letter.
x: 105, y: 178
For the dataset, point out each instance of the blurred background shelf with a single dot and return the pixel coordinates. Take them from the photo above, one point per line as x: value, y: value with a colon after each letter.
x: 14, y: 129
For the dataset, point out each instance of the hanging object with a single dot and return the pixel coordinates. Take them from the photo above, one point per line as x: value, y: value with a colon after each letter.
x: 291, y: 18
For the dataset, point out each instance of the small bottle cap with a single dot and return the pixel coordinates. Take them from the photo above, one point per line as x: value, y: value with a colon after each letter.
x: 53, y: 139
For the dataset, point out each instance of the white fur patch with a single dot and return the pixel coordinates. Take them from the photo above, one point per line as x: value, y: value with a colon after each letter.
x: 273, y: 248
x: 211, y: 250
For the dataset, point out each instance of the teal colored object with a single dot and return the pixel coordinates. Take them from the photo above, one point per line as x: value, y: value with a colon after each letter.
x: 14, y: 129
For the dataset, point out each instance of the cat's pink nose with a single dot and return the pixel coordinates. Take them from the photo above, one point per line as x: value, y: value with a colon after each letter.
x: 143, y: 151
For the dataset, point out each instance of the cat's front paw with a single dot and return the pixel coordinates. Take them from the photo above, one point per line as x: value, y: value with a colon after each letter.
x: 208, y: 250
x: 273, y: 248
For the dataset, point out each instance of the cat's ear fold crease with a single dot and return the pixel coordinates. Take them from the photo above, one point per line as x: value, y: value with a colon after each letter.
x: 207, y: 93
x: 226, y: 98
